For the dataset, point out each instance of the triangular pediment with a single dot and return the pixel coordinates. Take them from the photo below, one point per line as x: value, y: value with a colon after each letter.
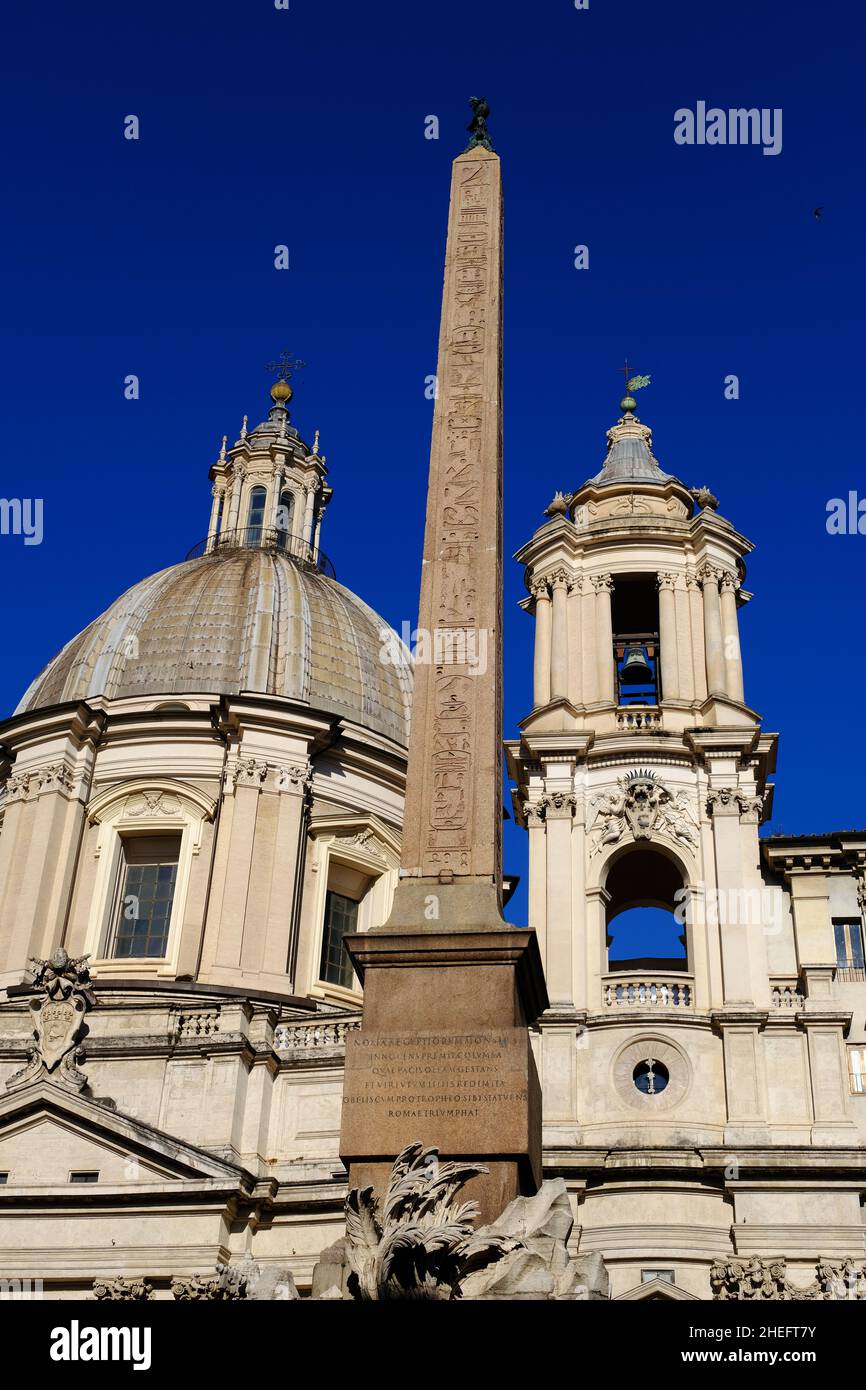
x: 656, y: 1290
x: 47, y: 1133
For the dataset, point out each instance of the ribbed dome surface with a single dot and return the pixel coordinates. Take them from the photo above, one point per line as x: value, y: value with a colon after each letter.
x: 249, y: 620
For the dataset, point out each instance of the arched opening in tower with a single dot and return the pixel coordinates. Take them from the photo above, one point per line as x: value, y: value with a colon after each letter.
x: 635, y: 621
x: 643, y: 931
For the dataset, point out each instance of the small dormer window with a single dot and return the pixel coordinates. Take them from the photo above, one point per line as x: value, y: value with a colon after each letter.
x: 256, y: 515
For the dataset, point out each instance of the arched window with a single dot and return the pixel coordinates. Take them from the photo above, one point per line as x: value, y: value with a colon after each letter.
x: 256, y: 515
x: 646, y: 915
x: 285, y: 519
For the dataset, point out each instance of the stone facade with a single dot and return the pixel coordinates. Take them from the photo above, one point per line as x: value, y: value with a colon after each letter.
x: 171, y: 1111
x: 702, y: 1102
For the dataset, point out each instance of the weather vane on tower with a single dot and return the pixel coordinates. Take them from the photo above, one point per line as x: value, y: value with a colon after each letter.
x: 632, y: 383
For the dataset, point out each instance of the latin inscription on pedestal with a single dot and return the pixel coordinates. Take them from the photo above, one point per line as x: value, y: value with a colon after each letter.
x: 466, y: 1092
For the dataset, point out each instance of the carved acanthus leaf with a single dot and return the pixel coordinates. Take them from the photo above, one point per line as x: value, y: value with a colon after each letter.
x: 421, y: 1243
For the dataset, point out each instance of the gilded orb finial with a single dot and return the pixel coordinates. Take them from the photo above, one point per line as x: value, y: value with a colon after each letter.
x: 281, y: 392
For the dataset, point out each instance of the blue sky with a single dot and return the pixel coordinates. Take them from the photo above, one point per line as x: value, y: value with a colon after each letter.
x: 306, y: 127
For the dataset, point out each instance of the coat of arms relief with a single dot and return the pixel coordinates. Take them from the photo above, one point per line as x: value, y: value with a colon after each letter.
x: 642, y: 804
x: 64, y: 996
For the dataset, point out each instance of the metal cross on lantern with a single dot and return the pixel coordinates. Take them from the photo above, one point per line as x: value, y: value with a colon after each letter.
x: 285, y: 364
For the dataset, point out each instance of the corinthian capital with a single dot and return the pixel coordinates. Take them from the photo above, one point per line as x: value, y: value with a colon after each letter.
x: 538, y: 588
x: 600, y: 582
x: 733, y: 801
x: 729, y: 580
x: 666, y: 581
x: 559, y: 805
x: 560, y: 579
x: 249, y: 773
x: 709, y: 574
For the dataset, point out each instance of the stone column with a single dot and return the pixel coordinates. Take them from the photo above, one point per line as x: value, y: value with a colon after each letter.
x: 575, y: 641
x: 44, y: 819
x: 731, y: 637
x: 237, y: 831
x: 308, y: 515
x: 715, y: 652
x: 276, y: 489
x: 235, y: 500
x: 560, y: 584
x: 670, y: 688
x: 534, y: 815
x: 597, y: 900
x: 603, y: 585
x: 741, y: 927
x: 696, y: 624
x: 216, y: 494
x: 589, y: 662
x: 543, y: 638
x: 685, y: 660
x: 559, y: 813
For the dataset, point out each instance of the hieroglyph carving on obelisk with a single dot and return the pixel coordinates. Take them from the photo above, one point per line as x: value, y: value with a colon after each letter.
x: 453, y: 819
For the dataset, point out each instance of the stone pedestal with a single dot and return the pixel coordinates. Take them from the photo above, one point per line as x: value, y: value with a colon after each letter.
x: 444, y: 1057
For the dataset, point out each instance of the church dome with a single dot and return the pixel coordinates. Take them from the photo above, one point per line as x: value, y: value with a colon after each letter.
x: 239, y: 619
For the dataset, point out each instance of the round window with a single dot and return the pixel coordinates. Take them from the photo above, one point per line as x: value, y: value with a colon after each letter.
x: 650, y: 1076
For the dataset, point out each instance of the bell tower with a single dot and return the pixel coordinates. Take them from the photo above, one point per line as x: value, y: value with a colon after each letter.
x: 641, y: 778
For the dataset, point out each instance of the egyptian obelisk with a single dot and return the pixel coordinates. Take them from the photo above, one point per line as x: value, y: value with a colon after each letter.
x: 449, y: 987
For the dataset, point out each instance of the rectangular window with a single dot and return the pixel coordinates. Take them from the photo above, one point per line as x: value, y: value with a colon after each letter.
x: 148, y: 874
x: 341, y: 918
x: 4, y: 1178
x: 857, y: 1070
x: 84, y: 1175
x: 647, y: 1275
x: 848, y: 932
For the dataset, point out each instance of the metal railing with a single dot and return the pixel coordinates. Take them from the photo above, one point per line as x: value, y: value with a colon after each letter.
x: 271, y: 538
